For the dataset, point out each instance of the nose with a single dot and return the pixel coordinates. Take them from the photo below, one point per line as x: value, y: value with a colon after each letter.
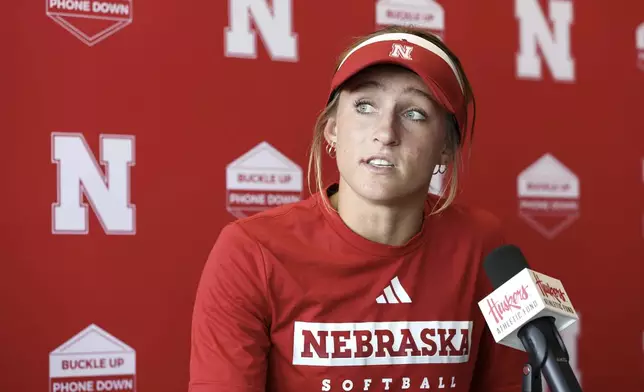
x: 386, y: 131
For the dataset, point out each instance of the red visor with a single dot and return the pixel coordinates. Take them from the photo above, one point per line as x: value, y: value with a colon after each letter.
x: 416, y: 54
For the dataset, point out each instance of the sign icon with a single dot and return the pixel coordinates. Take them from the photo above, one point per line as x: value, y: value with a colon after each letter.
x: 91, y: 21
x: 261, y: 179
x: 423, y: 14
x: 548, y: 194
x: 93, y: 360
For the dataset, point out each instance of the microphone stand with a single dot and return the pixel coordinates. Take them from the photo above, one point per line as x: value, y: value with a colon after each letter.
x: 531, y: 378
x: 547, y: 354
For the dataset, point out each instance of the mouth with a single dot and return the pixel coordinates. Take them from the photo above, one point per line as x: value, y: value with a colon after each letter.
x: 379, y: 162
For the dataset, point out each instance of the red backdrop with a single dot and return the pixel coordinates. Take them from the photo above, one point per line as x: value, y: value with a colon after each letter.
x: 187, y: 126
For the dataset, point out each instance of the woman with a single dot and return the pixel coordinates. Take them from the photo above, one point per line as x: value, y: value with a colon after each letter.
x: 370, y: 284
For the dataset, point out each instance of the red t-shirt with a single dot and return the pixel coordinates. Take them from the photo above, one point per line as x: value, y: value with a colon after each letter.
x: 292, y: 300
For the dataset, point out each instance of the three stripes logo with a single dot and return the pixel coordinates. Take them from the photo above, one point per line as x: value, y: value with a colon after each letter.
x: 394, y: 293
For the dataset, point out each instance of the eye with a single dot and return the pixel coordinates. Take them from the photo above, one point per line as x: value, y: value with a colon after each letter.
x: 415, y: 115
x: 364, y: 107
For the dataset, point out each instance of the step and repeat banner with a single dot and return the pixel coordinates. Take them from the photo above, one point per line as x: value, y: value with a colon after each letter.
x: 134, y: 130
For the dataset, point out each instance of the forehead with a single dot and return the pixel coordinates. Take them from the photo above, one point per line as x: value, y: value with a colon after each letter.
x: 388, y: 77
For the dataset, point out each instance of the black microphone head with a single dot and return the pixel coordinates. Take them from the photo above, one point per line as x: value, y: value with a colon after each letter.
x: 503, y: 263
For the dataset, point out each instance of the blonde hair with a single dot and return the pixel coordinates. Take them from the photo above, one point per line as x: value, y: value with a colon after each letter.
x: 455, y: 140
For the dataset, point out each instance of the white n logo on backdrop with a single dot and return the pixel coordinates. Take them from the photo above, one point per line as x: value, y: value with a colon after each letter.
x: 79, y: 174
x: 534, y: 31
x: 275, y: 26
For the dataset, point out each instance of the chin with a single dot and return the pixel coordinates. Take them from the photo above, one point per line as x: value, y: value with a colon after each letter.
x: 382, y: 190
x: 379, y: 192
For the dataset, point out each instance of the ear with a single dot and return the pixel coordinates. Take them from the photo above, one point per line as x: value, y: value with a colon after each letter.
x: 447, y: 154
x: 331, y: 130
x: 448, y: 151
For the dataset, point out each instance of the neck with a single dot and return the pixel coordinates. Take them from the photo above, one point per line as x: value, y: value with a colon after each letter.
x: 391, y: 223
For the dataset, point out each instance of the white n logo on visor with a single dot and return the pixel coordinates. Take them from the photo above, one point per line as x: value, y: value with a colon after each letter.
x: 401, y: 51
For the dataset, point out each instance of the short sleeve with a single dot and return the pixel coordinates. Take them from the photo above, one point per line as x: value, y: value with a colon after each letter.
x: 498, y: 368
x: 230, y: 339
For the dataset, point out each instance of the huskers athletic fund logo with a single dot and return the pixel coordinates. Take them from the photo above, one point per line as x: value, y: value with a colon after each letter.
x: 548, y: 196
x: 261, y: 179
x: 91, y: 21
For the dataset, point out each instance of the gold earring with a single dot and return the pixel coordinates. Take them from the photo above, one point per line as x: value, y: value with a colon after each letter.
x: 330, y: 149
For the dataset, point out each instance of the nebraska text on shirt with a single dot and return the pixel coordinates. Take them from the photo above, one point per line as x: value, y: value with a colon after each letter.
x: 381, y: 343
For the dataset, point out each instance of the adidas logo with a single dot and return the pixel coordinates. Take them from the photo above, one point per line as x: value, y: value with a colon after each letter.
x: 394, y: 294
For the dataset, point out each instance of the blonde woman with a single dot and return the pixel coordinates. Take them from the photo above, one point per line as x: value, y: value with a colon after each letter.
x: 371, y: 284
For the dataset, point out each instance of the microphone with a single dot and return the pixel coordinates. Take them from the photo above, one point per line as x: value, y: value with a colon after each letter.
x: 526, y: 311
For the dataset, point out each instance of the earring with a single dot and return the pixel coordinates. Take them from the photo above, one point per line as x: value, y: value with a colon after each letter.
x: 330, y: 149
x: 440, y: 169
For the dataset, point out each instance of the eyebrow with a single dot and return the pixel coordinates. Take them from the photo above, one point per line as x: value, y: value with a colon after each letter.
x: 420, y: 92
x: 359, y: 85
x: 372, y: 83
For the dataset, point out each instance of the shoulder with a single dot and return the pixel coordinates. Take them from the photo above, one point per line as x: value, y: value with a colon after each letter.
x: 474, y: 231
x: 279, y: 222
x: 239, y: 258
x: 468, y: 221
